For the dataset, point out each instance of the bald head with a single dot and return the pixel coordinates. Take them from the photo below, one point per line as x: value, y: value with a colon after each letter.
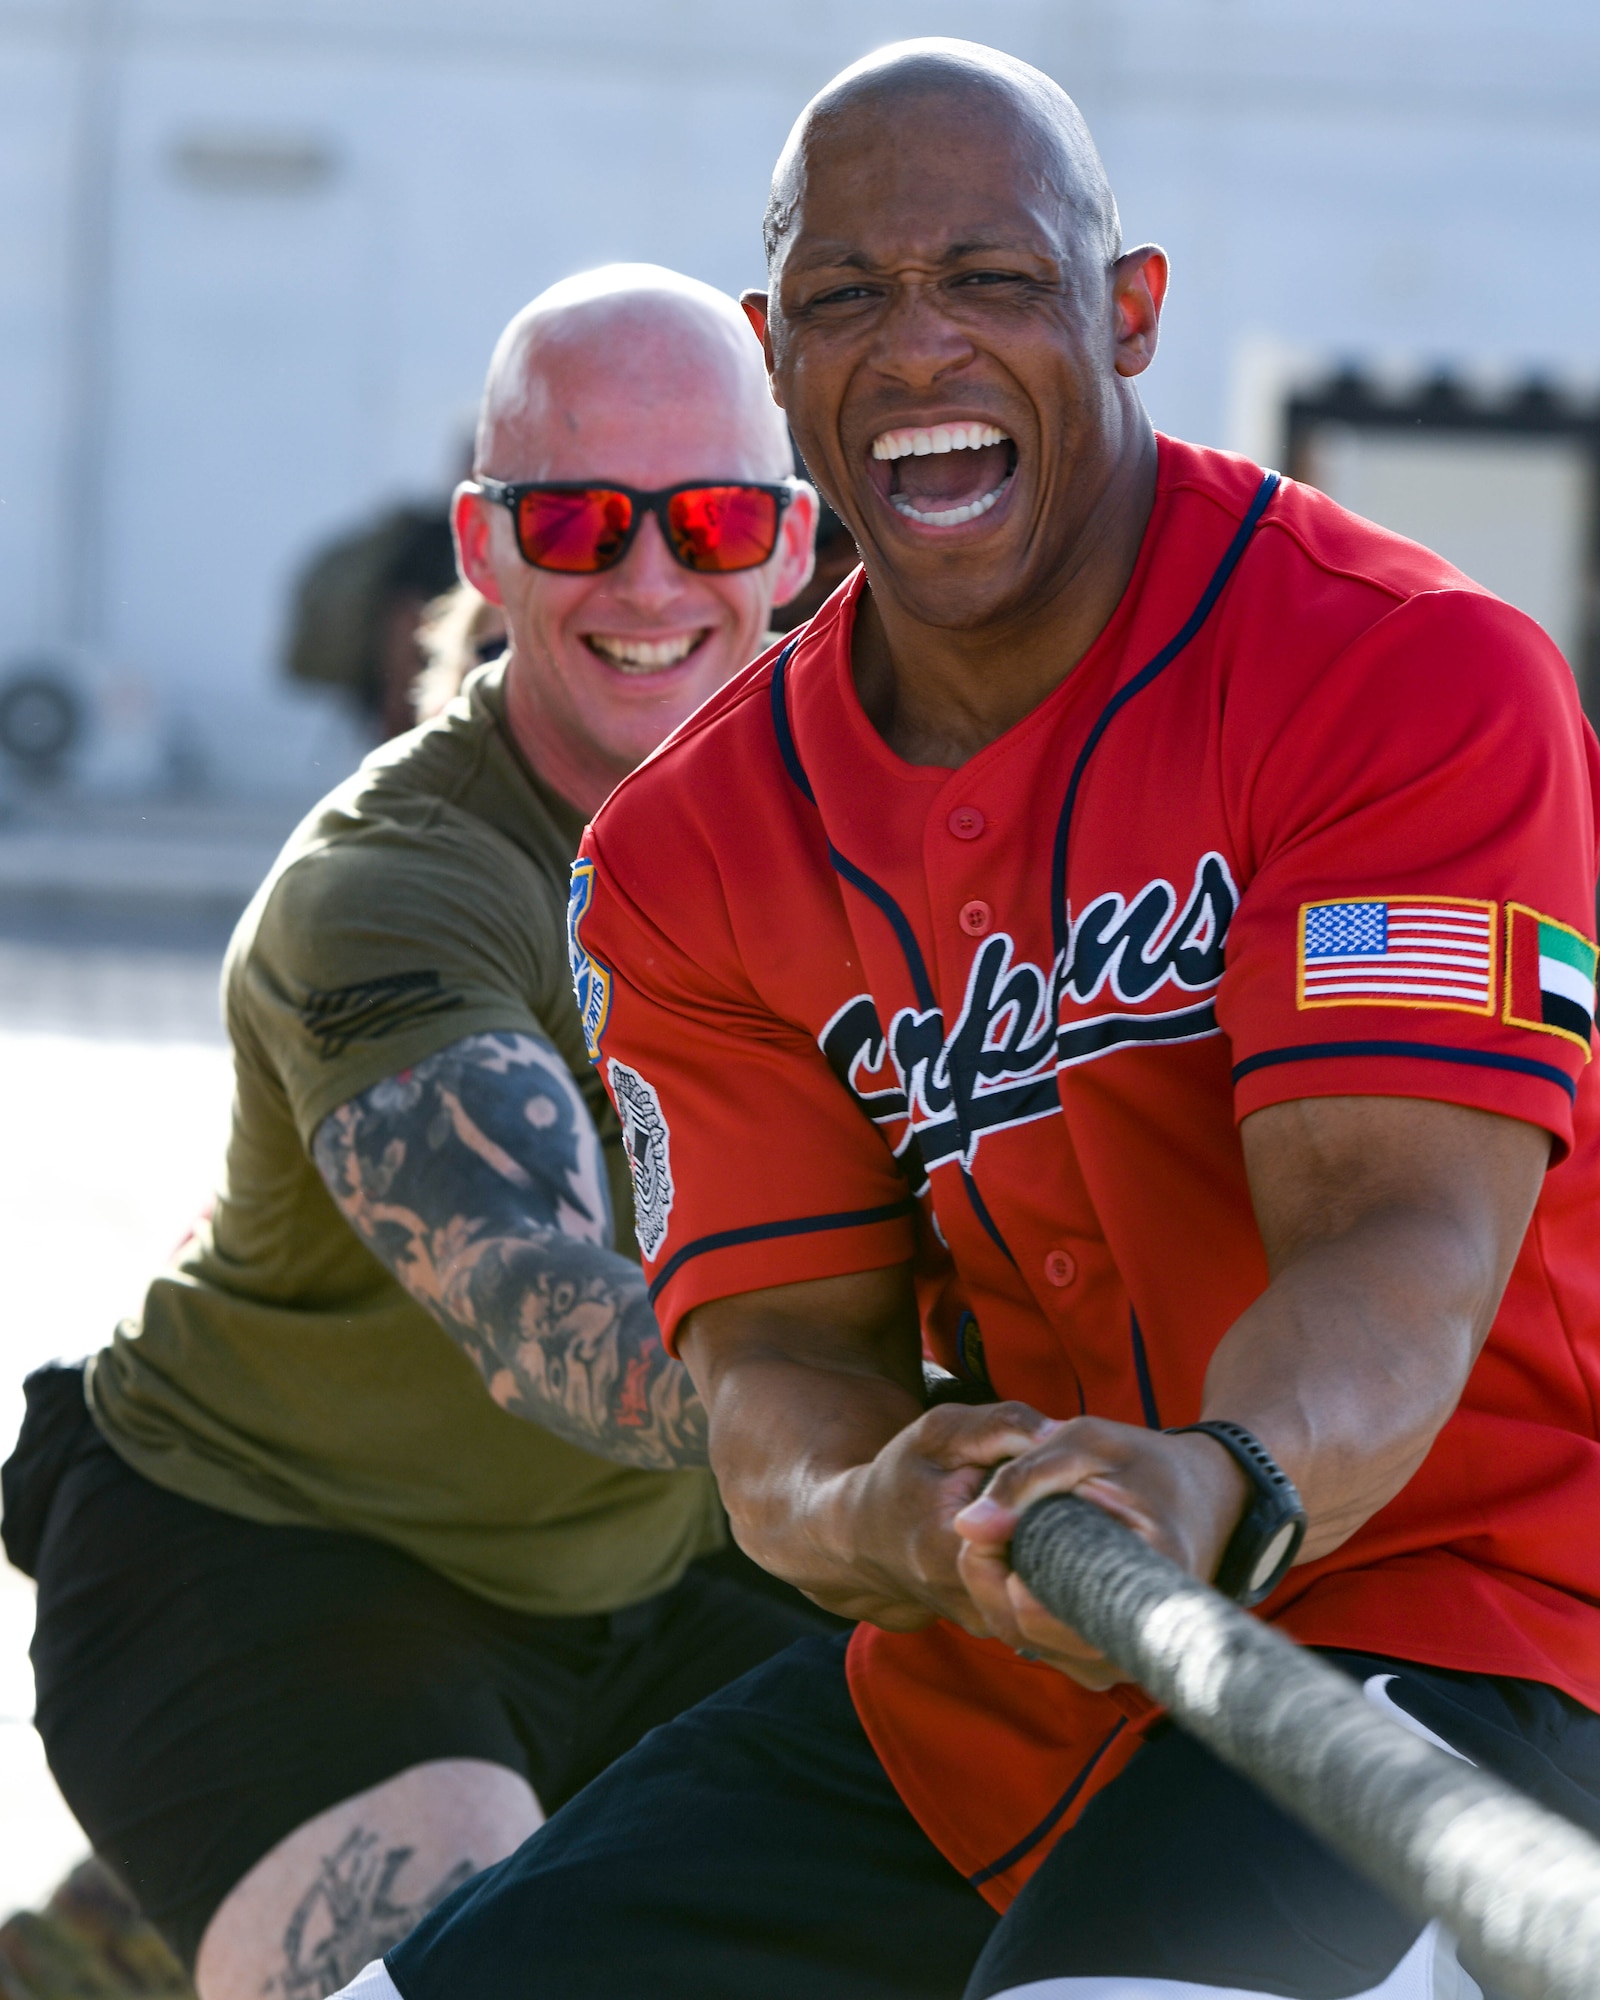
x: 634, y: 337
x: 980, y: 85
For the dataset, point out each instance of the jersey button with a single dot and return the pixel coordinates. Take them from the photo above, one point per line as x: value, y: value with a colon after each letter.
x: 966, y: 822
x: 975, y: 917
x: 1060, y: 1267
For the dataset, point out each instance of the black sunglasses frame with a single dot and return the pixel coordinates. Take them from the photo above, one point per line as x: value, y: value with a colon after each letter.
x: 509, y: 495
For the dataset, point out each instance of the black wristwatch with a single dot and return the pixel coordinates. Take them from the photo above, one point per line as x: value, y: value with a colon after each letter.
x: 1273, y: 1526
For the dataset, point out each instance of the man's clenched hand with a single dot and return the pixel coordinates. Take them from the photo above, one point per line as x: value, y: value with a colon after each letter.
x: 893, y: 1553
x: 1184, y: 1495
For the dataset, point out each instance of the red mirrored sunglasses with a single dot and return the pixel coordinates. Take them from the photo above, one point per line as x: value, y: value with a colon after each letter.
x: 581, y: 530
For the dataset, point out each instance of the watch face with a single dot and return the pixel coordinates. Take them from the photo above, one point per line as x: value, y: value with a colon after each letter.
x: 1273, y: 1554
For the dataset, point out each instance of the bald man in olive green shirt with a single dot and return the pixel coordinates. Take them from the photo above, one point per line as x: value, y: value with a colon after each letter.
x: 383, y: 1528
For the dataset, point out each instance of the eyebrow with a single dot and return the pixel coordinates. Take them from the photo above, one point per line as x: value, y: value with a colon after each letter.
x: 823, y: 257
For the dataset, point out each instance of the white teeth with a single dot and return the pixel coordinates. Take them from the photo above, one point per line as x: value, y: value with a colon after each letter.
x: 942, y: 438
x: 644, y: 655
x: 949, y: 517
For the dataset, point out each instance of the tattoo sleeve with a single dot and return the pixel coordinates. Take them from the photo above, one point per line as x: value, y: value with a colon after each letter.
x: 477, y: 1178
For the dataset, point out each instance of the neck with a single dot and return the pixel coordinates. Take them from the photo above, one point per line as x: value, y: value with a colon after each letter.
x: 583, y: 777
x: 939, y: 696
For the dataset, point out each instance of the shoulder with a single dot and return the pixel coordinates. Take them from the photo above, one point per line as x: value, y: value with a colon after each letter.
x: 364, y: 854
x: 381, y: 881
x: 1321, y: 593
x: 1304, y: 537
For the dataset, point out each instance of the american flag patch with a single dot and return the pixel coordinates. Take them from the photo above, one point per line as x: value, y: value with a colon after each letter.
x: 1400, y: 951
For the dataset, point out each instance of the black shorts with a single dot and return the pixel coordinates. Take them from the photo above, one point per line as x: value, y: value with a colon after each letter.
x: 756, y: 1847
x: 207, y: 1684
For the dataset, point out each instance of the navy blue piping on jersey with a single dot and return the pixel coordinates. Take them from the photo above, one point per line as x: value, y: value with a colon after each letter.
x: 1030, y: 1841
x: 1141, y: 1368
x: 881, y: 900
x: 858, y: 878
x: 1141, y: 680
x: 780, y: 724
x: 762, y: 1232
x: 1423, y: 1051
x: 910, y: 950
x: 980, y: 1209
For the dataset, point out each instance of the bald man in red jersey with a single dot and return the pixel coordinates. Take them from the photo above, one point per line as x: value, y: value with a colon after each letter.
x: 1136, y: 943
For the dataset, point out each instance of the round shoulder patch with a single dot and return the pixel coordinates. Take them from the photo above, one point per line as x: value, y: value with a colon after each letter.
x: 648, y: 1143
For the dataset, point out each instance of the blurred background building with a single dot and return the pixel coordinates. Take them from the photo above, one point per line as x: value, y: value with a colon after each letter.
x: 253, y: 254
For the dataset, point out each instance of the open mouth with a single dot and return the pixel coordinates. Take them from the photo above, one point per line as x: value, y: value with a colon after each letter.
x: 645, y: 656
x: 946, y: 474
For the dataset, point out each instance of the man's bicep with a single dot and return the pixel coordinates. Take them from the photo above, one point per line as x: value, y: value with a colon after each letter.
x: 1318, y: 1166
x: 487, y: 1138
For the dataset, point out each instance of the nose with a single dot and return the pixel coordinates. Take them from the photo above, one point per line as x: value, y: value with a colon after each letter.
x: 918, y: 343
x: 648, y: 577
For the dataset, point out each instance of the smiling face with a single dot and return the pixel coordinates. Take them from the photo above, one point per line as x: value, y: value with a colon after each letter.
x: 645, y: 388
x: 952, y: 332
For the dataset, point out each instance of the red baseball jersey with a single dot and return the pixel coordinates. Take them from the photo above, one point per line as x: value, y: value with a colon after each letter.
x: 1314, y: 816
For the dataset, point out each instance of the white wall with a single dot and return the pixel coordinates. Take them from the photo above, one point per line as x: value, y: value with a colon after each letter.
x: 1336, y: 177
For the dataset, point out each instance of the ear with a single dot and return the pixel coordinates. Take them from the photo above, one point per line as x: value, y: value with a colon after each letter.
x: 1138, y: 291
x: 754, y: 306
x: 797, y: 545
x: 472, y: 525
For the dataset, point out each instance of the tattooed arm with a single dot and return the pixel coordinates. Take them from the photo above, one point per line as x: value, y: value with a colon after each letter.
x: 477, y: 1177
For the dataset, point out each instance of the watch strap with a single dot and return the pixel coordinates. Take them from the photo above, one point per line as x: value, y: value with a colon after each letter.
x: 1273, y: 1525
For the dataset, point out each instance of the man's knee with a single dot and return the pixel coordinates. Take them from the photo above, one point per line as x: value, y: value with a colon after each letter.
x: 345, y: 1887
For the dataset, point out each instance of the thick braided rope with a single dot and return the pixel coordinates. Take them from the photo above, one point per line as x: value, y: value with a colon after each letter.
x: 1519, y: 1886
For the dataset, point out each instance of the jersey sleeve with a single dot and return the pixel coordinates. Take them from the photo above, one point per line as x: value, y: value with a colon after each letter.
x: 751, y: 1166
x: 370, y: 954
x: 1418, y: 832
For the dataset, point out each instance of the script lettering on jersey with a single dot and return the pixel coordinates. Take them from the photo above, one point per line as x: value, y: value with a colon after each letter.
x: 935, y: 1094
x: 1125, y: 949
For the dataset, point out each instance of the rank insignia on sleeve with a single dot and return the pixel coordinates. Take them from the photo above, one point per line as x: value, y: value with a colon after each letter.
x: 591, y: 981
x: 1550, y: 971
x: 1397, y: 951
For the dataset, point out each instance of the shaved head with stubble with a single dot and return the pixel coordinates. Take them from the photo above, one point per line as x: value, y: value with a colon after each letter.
x: 953, y: 327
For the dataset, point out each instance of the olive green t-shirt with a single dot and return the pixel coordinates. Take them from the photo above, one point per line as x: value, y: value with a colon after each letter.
x: 278, y: 1370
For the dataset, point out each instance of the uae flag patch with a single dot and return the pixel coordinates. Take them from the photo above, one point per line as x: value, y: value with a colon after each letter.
x: 1550, y: 971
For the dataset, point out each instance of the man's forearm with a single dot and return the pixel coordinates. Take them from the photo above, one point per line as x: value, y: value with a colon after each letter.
x: 834, y: 1475
x: 1349, y: 1400
x: 805, y: 1385
x: 563, y: 1335
x: 477, y: 1179
x: 1351, y: 1362
x: 787, y: 1444
x: 560, y: 1330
